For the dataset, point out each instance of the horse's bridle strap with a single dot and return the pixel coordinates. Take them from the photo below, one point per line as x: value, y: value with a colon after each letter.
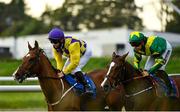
x: 134, y: 78
x: 63, y: 95
x: 137, y: 93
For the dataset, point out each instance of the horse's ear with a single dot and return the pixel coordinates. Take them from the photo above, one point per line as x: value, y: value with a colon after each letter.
x: 29, y: 46
x: 113, y: 55
x: 36, y: 44
x: 124, y: 56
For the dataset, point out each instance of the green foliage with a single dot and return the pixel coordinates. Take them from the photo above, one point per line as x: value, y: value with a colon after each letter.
x: 93, y: 14
x: 73, y: 15
x: 174, y: 24
x: 14, y: 21
x: 34, y: 27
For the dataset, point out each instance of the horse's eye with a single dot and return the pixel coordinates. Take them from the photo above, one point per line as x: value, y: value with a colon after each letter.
x: 31, y: 60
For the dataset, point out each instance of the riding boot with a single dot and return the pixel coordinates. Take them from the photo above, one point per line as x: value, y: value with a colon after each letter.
x: 81, y: 79
x: 166, y: 79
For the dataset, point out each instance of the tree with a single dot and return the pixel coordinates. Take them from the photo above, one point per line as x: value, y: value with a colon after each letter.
x: 14, y: 21
x: 93, y: 14
x: 173, y: 25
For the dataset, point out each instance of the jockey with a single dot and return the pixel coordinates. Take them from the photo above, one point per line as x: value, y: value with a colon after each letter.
x: 76, y: 51
x: 159, y: 51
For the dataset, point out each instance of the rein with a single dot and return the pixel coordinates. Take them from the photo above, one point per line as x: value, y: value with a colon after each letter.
x: 119, y: 82
x: 63, y: 94
x: 134, y: 78
x: 30, y: 74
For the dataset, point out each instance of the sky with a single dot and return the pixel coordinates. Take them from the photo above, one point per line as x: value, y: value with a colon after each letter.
x: 150, y: 7
x: 37, y: 7
x: 149, y: 14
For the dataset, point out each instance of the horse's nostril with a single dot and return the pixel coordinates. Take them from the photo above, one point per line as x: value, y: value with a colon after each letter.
x: 18, y: 79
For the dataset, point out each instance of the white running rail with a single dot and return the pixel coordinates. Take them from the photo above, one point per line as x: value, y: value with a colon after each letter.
x: 27, y: 88
x: 18, y: 88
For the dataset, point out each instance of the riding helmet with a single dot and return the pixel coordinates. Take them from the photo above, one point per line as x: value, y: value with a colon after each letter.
x: 136, y: 37
x: 56, y: 34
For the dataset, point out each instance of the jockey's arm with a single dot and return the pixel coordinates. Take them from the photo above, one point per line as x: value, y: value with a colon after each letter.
x: 159, y: 61
x: 74, y: 52
x: 137, y: 59
x: 58, y: 58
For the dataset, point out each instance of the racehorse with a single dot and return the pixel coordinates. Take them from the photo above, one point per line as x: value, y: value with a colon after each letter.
x: 59, y: 94
x: 140, y: 91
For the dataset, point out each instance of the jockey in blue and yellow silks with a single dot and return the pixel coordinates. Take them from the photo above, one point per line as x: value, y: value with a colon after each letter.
x: 77, y: 52
x: 159, y: 51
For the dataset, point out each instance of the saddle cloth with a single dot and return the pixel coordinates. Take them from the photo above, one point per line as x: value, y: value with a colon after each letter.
x: 162, y: 89
x: 79, y: 88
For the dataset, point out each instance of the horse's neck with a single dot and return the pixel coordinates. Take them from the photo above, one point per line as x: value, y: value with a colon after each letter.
x: 135, y: 79
x: 130, y: 71
x: 51, y: 87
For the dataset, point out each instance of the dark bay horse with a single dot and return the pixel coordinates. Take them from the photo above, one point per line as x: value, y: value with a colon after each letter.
x: 58, y: 93
x: 140, y: 93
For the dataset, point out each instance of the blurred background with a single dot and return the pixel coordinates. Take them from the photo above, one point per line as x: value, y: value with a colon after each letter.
x: 104, y: 24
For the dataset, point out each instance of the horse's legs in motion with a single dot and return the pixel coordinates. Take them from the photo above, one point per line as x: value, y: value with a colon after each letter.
x: 163, y: 75
x: 49, y: 107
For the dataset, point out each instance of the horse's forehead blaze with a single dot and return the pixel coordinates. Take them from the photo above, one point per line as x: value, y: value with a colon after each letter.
x: 111, y: 65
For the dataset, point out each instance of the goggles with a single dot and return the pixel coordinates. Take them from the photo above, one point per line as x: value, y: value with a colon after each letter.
x: 135, y: 44
x: 53, y: 41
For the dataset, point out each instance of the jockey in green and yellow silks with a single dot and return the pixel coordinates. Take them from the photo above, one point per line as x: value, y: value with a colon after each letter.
x: 76, y: 51
x: 157, y: 48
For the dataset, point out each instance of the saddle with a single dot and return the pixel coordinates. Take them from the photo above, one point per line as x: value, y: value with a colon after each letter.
x: 78, y: 87
x: 162, y: 89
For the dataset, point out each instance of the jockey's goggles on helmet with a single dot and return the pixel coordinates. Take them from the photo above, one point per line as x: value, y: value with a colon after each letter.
x: 53, y: 41
x: 135, y: 44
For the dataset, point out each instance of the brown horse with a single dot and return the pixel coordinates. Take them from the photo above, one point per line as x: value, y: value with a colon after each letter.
x: 140, y: 91
x: 59, y: 94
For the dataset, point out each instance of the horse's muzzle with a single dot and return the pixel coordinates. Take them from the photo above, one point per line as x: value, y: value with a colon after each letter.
x: 20, y: 78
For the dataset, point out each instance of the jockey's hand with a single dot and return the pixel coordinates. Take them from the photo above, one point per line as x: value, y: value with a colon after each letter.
x: 60, y: 74
x: 145, y: 73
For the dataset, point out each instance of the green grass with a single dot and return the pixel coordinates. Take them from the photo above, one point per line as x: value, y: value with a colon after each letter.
x: 36, y: 101
x: 174, y: 65
x: 96, y: 63
x: 8, y: 66
x: 26, y: 101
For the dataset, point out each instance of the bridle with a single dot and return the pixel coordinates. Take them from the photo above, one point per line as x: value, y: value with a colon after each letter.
x: 34, y: 62
x: 28, y: 73
x: 115, y: 81
x: 119, y: 81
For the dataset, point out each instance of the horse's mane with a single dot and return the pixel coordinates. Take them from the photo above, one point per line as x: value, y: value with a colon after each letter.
x: 54, y: 69
x: 131, y: 69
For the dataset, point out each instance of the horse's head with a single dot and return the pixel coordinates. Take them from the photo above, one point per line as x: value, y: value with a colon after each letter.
x: 30, y: 64
x: 115, y: 72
